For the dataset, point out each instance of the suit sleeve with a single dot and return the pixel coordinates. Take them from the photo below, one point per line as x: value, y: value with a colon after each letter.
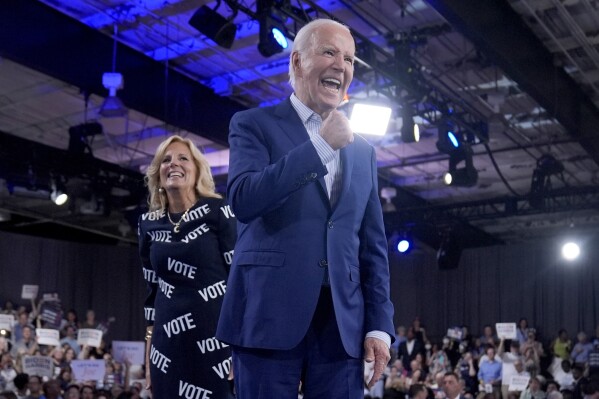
x: 148, y: 273
x: 374, y: 264
x: 227, y: 233
x: 258, y: 183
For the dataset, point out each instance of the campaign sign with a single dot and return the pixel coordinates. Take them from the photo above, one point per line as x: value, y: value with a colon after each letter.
x: 29, y: 291
x: 506, y: 330
x: 47, y: 336
x: 518, y: 383
x: 38, y: 365
x: 88, y: 370
x: 6, y: 321
x: 89, y: 337
x: 131, y: 351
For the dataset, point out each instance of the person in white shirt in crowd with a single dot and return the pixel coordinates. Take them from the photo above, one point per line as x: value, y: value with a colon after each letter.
x: 508, y: 360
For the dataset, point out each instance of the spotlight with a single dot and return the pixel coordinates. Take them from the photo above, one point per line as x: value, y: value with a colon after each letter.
x: 467, y: 175
x: 404, y: 244
x: 214, y: 26
x: 448, y: 140
x: 410, y: 132
x: 58, y: 195
x: 370, y: 119
x: 570, y: 251
x: 273, y: 34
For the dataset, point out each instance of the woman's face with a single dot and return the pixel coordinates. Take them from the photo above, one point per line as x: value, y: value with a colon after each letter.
x: 178, y: 171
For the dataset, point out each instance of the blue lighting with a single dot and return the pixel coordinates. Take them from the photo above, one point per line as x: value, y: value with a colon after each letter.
x: 279, y: 37
x: 403, y: 245
x: 453, y: 139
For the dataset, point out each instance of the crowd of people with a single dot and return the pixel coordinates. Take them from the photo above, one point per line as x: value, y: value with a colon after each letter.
x: 556, y: 368
x: 121, y: 380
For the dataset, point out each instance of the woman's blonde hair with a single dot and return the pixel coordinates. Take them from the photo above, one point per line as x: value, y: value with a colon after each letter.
x: 204, y: 185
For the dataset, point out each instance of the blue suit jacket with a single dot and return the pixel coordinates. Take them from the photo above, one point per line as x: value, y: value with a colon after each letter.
x: 288, y: 230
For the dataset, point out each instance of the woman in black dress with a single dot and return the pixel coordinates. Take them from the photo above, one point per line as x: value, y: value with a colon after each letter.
x: 186, y: 245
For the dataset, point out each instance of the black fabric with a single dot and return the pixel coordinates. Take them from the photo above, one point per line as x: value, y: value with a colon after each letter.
x: 187, y: 290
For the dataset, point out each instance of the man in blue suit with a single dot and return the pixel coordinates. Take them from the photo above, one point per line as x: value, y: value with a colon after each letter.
x: 308, y: 293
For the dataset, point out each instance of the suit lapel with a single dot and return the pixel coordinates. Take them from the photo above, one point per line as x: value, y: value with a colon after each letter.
x: 290, y: 123
x: 347, y: 164
x: 294, y: 129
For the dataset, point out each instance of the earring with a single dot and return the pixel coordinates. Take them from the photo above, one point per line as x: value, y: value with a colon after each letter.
x: 160, y: 190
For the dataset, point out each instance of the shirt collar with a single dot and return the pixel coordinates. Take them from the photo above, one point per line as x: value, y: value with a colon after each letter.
x: 303, y: 111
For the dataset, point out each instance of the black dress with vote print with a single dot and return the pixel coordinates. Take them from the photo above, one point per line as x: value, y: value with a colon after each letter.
x: 186, y: 273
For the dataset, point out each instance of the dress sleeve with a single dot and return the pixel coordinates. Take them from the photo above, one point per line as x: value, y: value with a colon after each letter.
x: 148, y: 271
x: 227, y: 233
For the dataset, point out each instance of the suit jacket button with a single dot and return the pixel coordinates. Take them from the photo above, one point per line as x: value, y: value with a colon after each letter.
x: 330, y: 224
x: 323, y: 263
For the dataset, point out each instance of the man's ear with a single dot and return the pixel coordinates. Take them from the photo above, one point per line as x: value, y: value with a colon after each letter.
x: 296, y: 62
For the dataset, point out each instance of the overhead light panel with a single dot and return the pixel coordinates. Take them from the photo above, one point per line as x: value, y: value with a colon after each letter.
x: 370, y: 119
x: 273, y: 34
x: 461, y: 169
x: 214, y: 26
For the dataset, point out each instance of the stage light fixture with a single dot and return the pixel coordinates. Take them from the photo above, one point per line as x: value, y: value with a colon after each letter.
x: 273, y: 34
x: 112, y: 107
x: 58, y: 194
x: 465, y: 176
x: 448, y: 138
x: 370, y: 119
x: 410, y: 132
x: 547, y: 166
x: 214, y: 26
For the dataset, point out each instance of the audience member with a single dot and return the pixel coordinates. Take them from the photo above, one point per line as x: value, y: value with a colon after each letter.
x: 467, y: 372
x: 489, y: 337
x: 580, y: 351
x: 51, y: 390
x: 20, y: 382
x: 417, y: 391
x: 489, y: 374
x: 72, y: 392
x: 522, y: 332
x: 22, y: 322
x: 452, y: 386
x: 7, y: 373
x: 70, y: 338
x: 35, y: 387
x: 508, y: 360
x: 561, y: 346
x: 409, y: 349
x: 534, y: 390
x: 27, y: 345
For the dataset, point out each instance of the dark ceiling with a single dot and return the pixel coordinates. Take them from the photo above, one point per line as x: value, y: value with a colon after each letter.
x: 518, y: 79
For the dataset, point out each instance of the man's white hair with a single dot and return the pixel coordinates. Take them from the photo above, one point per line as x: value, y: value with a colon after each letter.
x: 303, y: 39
